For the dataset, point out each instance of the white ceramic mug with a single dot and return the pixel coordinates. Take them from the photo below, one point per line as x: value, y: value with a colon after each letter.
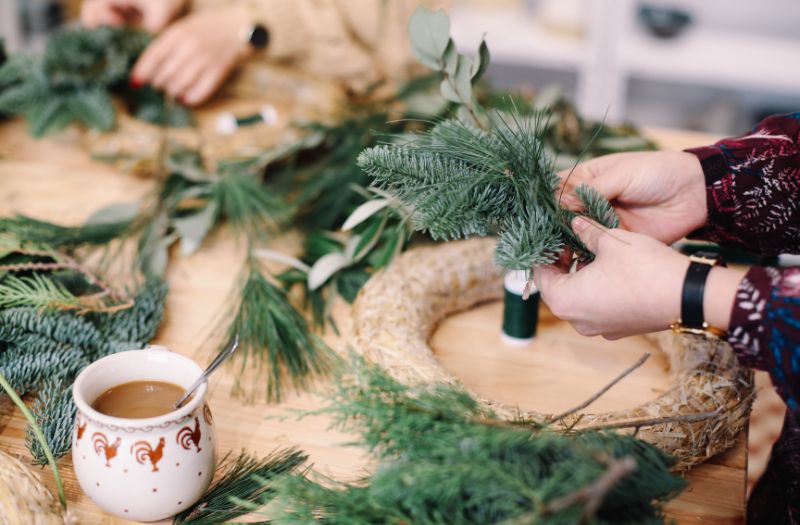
x: 143, y: 469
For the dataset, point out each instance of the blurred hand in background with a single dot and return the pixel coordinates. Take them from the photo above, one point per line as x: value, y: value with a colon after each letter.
x: 150, y: 15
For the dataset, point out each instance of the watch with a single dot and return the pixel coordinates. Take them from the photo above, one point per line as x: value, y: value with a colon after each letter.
x: 257, y: 36
x: 692, y: 319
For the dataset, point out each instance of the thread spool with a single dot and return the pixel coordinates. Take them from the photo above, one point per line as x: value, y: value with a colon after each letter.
x: 228, y: 123
x: 520, y: 316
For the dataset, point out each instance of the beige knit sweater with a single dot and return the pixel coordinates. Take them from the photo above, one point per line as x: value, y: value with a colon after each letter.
x: 360, y: 43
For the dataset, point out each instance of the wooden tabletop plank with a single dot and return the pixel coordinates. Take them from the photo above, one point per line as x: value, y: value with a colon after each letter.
x: 50, y: 180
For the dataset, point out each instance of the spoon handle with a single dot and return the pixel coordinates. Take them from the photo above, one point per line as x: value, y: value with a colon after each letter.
x: 221, y: 357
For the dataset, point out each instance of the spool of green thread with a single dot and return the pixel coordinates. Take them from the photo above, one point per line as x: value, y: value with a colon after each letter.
x: 520, y: 316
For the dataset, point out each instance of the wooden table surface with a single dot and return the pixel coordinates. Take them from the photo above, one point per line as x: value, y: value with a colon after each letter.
x: 53, y: 180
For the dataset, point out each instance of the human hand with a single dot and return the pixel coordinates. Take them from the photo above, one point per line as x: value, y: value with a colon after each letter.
x: 633, y: 285
x: 150, y: 15
x: 192, y: 58
x: 660, y: 194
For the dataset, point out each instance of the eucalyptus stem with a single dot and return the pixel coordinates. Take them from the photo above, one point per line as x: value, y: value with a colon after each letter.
x: 39, y: 436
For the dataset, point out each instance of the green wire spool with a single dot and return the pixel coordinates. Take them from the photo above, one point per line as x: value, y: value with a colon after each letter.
x: 520, y: 316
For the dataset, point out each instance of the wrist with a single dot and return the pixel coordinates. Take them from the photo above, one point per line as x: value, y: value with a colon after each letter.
x: 692, y: 171
x: 720, y: 295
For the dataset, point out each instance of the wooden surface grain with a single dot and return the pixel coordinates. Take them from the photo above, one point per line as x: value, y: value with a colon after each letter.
x: 53, y: 180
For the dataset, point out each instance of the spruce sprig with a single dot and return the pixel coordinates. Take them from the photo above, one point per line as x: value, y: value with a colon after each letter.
x: 444, y: 458
x: 461, y: 181
x: 242, y: 484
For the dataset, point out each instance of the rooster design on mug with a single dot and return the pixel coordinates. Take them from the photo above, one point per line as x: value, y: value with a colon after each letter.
x: 80, y: 428
x: 186, y: 436
x: 142, y: 451
x: 101, y: 445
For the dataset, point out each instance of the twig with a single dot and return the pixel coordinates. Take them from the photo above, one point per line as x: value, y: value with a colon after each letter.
x: 649, y: 422
x: 594, y: 494
x: 603, y: 390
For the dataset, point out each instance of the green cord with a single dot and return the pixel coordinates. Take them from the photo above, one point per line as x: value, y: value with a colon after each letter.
x: 39, y: 436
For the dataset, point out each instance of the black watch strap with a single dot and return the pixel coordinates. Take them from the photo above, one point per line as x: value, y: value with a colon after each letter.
x: 693, y: 288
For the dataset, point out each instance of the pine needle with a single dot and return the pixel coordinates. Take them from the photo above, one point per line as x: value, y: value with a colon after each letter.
x: 275, y: 339
x: 242, y: 485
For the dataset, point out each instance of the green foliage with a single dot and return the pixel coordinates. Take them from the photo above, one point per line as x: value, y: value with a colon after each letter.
x: 275, y: 339
x: 459, y: 181
x: 43, y: 351
x: 596, y: 207
x: 21, y: 231
x: 241, y: 481
x: 72, y: 81
x: 247, y: 204
x: 36, y: 291
x: 443, y: 458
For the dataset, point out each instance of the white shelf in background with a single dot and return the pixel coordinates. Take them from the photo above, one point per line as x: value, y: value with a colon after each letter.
x: 732, y: 61
x: 515, y: 38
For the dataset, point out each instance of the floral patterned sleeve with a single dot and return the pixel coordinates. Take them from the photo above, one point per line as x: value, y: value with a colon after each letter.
x: 753, y: 196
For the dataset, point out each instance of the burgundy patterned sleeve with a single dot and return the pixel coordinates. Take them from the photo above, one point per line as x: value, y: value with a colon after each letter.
x: 753, y: 188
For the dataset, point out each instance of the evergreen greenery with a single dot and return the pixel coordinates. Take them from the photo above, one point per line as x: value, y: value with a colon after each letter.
x: 275, y: 339
x: 240, y: 481
x: 43, y: 351
x: 72, y: 81
x: 443, y: 458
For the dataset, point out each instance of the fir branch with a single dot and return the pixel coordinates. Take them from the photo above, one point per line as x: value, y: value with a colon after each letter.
x: 242, y: 483
x: 443, y: 457
x: 39, y: 436
x: 52, y: 408
x: 596, y: 207
x: 275, y: 338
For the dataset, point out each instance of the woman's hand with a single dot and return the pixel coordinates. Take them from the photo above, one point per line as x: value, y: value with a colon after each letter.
x: 661, y: 194
x: 192, y: 58
x: 151, y: 15
x: 633, y: 286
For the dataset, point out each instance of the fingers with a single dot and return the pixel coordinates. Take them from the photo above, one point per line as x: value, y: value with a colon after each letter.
x: 589, y: 233
x: 95, y: 13
x: 145, y: 69
x: 208, y: 82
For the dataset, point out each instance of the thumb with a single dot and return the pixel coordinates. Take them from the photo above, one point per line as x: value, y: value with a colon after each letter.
x: 588, y: 232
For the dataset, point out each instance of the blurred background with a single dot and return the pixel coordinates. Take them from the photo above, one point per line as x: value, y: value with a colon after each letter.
x: 715, y: 65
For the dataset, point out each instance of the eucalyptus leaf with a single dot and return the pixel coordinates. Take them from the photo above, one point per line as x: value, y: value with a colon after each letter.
x: 429, y: 32
x: 276, y: 256
x: 480, y: 66
x: 193, y: 229
x: 364, y: 212
x: 118, y: 212
x: 369, y: 238
x: 325, y: 267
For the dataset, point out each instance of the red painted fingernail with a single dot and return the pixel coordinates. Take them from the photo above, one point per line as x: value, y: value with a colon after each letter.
x: 135, y: 83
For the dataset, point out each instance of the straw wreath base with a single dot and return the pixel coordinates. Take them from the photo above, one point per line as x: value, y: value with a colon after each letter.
x: 398, y: 309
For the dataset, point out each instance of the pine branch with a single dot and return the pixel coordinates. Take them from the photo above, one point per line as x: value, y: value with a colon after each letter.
x: 275, y: 339
x: 442, y: 457
x: 250, y: 207
x: 36, y: 291
x: 242, y: 485
x: 52, y: 409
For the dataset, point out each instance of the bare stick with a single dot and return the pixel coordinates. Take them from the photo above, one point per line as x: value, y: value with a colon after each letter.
x: 603, y: 390
x: 594, y: 493
x: 649, y: 422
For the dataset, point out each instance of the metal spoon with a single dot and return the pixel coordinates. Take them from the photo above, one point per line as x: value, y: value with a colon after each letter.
x: 225, y: 354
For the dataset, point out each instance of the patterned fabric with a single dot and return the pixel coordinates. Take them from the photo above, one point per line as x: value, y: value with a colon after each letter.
x: 753, y: 195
